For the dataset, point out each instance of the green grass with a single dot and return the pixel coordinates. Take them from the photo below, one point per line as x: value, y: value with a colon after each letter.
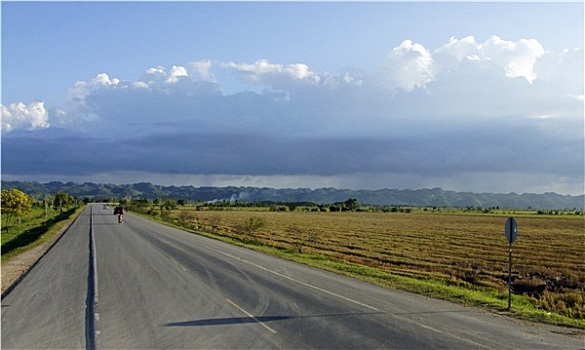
x: 484, y: 298
x: 34, y: 231
x: 342, y: 250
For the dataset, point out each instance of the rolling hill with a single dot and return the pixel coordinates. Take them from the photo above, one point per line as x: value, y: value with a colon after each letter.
x: 422, y: 197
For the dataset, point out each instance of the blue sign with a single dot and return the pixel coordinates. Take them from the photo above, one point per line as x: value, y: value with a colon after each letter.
x: 511, y: 230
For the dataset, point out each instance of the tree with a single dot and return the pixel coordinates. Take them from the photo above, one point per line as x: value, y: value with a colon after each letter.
x: 351, y: 204
x: 126, y: 201
x: 61, y: 200
x: 170, y: 204
x: 48, y: 202
x: 15, y: 203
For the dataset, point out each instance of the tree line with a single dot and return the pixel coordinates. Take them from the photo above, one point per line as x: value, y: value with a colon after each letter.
x: 434, y: 197
x: 16, y: 204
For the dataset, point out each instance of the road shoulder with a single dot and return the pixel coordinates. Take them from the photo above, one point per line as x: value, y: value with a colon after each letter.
x: 17, y: 267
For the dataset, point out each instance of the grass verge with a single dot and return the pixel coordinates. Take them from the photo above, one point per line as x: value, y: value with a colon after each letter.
x: 481, y: 297
x: 36, y: 233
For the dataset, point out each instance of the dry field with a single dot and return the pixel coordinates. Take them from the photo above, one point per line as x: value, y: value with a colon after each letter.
x: 459, y: 249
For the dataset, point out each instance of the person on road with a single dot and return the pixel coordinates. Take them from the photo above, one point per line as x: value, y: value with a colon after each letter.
x: 120, y: 212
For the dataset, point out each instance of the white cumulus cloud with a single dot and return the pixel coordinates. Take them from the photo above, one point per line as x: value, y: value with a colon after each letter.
x: 21, y: 116
x: 263, y: 72
x: 517, y: 58
x: 450, y: 55
x: 84, y: 88
x: 159, y: 78
x: 409, y: 66
x: 563, y: 70
x: 459, y: 111
x: 176, y: 73
x: 201, y: 70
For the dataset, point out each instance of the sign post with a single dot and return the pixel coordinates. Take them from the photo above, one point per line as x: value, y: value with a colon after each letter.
x: 511, y: 235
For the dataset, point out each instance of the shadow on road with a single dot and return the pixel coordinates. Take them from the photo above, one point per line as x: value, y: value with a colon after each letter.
x: 226, y: 321
x: 256, y: 319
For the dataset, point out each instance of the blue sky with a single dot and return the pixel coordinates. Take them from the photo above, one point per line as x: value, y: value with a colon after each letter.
x: 483, y: 97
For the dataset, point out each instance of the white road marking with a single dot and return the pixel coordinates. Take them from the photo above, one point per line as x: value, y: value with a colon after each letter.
x: 438, y: 331
x: 286, y: 277
x: 299, y: 282
x: 250, y: 315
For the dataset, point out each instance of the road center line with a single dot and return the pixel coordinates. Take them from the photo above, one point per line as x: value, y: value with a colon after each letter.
x: 251, y: 316
x: 92, y: 303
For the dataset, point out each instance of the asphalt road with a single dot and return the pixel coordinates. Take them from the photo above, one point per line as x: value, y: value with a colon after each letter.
x: 141, y: 285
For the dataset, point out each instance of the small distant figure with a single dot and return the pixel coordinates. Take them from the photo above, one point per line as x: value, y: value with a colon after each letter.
x: 120, y: 212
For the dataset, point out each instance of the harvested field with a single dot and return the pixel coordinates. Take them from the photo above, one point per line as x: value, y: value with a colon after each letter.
x: 466, y: 250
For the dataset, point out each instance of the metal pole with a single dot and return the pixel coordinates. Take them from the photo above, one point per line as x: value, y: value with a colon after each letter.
x: 510, y: 277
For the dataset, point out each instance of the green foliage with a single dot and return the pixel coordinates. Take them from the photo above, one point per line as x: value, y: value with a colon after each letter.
x: 37, y: 230
x: 430, y: 198
x: 452, y: 254
x: 571, y: 304
x: 15, y: 203
x: 62, y: 201
x: 458, y: 255
x: 250, y: 226
x: 351, y: 204
x: 170, y: 204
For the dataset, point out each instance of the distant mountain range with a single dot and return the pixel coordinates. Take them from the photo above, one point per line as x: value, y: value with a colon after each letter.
x: 424, y: 197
